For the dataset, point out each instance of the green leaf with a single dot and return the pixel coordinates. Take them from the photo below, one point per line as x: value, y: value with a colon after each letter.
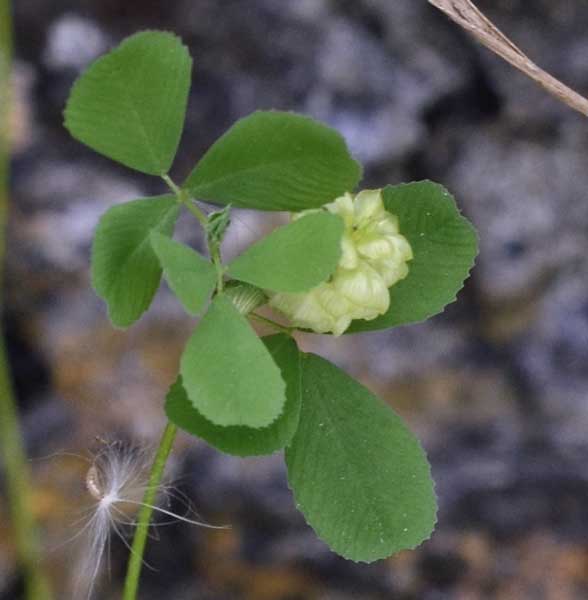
x: 275, y: 161
x: 228, y: 373
x: 359, y: 476
x: 190, y: 276
x: 125, y: 270
x: 444, y: 244
x: 293, y: 258
x: 130, y: 104
x: 239, y: 440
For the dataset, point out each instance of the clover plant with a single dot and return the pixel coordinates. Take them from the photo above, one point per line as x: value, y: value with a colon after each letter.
x: 347, y: 262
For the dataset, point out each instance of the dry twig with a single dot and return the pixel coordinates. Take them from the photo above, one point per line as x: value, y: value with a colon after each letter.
x: 465, y: 14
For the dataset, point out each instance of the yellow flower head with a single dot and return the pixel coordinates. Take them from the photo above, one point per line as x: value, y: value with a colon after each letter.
x: 373, y: 258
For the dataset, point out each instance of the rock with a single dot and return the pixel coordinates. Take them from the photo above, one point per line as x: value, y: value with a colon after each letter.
x: 553, y: 354
x: 66, y: 213
x: 495, y: 387
x: 522, y: 195
x: 73, y: 42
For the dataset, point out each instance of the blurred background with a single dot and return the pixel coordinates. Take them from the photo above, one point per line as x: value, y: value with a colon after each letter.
x: 496, y: 387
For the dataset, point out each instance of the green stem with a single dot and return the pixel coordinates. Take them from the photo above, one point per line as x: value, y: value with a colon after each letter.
x: 173, y: 187
x: 195, y: 211
x: 11, y: 443
x: 282, y: 328
x: 5, y: 116
x: 213, y: 249
x: 169, y: 434
x: 18, y: 487
x: 144, y: 518
x: 183, y: 198
x: 218, y: 265
x: 165, y: 445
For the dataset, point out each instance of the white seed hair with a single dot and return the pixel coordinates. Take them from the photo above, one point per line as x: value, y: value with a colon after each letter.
x: 116, y: 482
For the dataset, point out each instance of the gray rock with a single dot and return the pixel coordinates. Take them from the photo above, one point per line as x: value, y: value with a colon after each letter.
x: 554, y: 353
x: 523, y: 197
x: 73, y: 42
x: 59, y: 206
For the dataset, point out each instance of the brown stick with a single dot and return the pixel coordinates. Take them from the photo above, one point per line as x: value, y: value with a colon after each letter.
x: 465, y: 14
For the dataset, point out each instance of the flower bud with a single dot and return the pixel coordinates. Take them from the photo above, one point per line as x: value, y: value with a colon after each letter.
x: 245, y: 297
x: 374, y: 257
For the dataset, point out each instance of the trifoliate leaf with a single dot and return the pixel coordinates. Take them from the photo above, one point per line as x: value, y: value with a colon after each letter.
x: 275, y: 161
x: 190, y: 276
x: 239, y: 440
x: 293, y: 258
x: 444, y: 245
x: 125, y: 270
x: 228, y: 373
x: 130, y: 104
x: 359, y: 476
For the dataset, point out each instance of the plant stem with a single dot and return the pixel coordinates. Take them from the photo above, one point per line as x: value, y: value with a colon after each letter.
x: 11, y: 443
x: 170, y: 182
x: 146, y: 511
x: 218, y: 265
x: 213, y: 249
x: 167, y: 439
x: 195, y: 211
x: 182, y: 197
x: 5, y: 116
x: 282, y: 328
x: 169, y: 434
x: 18, y: 485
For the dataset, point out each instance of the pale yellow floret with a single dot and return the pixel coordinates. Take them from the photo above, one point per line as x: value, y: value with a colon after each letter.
x: 374, y: 257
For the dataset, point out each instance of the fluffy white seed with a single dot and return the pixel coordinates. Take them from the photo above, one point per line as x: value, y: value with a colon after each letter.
x: 116, y: 482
